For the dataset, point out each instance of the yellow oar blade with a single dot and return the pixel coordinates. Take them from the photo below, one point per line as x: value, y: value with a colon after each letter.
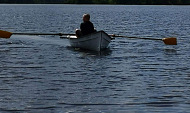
x: 5, y: 34
x: 170, y: 41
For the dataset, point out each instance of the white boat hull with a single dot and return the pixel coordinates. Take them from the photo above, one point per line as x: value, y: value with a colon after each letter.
x: 96, y: 41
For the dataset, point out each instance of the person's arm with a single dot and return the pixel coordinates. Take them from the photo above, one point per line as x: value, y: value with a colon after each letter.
x: 81, y: 26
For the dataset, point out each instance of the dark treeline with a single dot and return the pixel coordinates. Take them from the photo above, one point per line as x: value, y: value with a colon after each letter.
x: 131, y: 2
x: 31, y: 1
x: 127, y: 2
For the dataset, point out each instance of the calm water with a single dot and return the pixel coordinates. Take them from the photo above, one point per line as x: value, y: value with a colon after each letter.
x: 44, y: 74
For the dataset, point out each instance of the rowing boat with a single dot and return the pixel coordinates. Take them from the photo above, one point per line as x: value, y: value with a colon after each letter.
x: 96, y: 41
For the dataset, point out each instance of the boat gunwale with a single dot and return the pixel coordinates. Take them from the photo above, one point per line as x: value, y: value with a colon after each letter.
x: 101, y: 31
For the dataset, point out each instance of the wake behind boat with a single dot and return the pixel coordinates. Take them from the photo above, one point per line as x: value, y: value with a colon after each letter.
x: 96, y: 41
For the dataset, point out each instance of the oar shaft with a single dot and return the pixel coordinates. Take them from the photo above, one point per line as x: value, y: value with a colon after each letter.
x: 167, y: 41
x: 6, y: 34
x: 136, y: 37
x: 60, y: 34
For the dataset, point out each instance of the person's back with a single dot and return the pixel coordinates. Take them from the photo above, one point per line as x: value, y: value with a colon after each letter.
x: 86, y: 27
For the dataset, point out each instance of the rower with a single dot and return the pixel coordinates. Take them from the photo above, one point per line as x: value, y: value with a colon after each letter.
x: 86, y: 27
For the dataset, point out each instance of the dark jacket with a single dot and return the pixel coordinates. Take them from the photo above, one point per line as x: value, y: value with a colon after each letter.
x: 87, y: 27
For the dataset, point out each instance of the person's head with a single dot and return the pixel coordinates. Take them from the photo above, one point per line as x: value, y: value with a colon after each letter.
x: 86, y: 17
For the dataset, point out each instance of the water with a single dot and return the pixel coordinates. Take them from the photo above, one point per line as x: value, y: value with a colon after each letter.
x: 44, y: 74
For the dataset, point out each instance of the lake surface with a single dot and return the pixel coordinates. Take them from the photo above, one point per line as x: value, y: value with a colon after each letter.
x: 44, y: 74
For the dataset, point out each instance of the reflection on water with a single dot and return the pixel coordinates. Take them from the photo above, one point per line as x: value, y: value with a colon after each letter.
x: 84, y: 52
x: 170, y: 51
x: 45, y: 74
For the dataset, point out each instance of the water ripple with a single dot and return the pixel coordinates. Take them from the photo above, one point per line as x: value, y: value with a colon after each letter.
x: 45, y: 74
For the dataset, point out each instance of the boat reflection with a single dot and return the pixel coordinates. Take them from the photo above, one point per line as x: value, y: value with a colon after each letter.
x: 104, y: 52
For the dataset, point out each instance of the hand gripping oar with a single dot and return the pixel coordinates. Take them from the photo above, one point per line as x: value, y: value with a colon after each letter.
x: 6, y: 34
x: 167, y: 41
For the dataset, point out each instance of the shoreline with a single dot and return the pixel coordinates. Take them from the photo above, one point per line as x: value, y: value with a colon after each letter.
x: 94, y: 4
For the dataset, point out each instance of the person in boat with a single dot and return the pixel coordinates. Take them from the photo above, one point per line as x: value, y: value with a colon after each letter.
x: 86, y: 27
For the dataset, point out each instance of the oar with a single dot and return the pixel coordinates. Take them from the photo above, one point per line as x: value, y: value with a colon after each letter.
x: 6, y: 34
x: 167, y: 41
